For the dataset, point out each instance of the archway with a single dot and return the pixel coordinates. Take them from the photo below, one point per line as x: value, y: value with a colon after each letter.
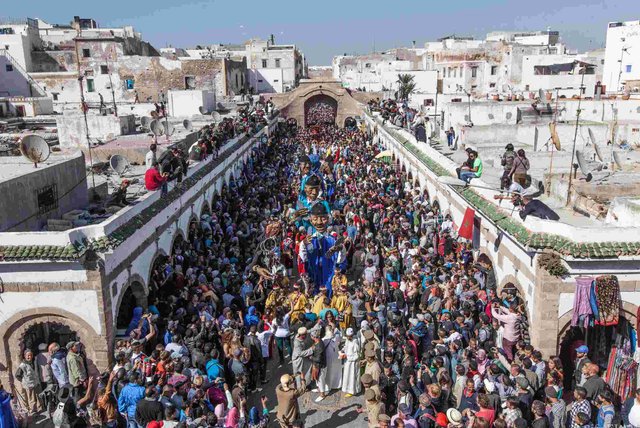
x: 46, y: 332
x: 320, y: 109
x: 134, y: 295
x: 350, y: 123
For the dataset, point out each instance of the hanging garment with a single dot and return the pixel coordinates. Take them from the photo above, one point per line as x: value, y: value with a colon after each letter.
x: 581, y: 307
x: 608, y: 299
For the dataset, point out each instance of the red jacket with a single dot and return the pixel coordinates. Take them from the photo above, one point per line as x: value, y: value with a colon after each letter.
x: 153, y: 179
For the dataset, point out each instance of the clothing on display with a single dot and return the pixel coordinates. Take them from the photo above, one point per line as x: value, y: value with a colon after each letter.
x: 582, y: 312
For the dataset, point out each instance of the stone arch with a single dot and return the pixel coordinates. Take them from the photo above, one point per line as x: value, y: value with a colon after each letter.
x: 323, y: 103
x: 510, y: 281
x: 206, y: 208
x: 134, y: 293
x: 159, y: 256
x: 177, y: 239
x: 13, y: 330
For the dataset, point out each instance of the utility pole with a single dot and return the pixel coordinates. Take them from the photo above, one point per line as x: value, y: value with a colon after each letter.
x: 113, y: 93
x: 575, y: 135
x: 84, y: 107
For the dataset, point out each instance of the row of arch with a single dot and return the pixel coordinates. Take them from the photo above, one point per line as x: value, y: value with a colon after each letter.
x: 135, y: 291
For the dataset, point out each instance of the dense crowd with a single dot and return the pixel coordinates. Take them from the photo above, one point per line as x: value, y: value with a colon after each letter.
x: 336, y: 267
x: 321, y: 113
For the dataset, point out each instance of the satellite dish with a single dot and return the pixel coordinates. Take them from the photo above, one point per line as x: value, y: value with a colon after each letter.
x: 119, y: 164
x: 592, y: 137
x: 187, y: 124
x: 617, y: 159
x: 35, y: 148
x: 216, y: 116
x: 145, y: 121
x: 202, y: 110
x: 541, y: 94
x: 598, y: 154
x: 582, y: 163
x: 168, y: 128
x: 156, y: 127
x: 535, y: 139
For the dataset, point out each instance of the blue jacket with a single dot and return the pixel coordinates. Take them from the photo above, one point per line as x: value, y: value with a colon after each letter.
x: 214, y: 369
x: 128, y: 399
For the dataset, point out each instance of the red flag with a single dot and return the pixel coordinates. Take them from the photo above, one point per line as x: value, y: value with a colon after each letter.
x: 466, y: 229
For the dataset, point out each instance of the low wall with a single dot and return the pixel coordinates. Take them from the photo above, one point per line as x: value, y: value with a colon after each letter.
x: 20, y: 213
x: 72, y: 131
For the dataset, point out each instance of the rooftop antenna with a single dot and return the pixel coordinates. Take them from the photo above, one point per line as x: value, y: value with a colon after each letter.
x: 156, y: 128
x: 34, y: 148
x: 84, y: 107
x: 187, y: 124
x: 216, y: 116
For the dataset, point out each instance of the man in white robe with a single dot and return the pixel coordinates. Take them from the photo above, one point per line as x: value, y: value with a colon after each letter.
x: 302, y: 350
x: 351, y: 371
x: 333, y: 377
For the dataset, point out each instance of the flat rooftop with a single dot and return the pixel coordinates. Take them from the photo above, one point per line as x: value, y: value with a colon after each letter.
x: 15, y: 166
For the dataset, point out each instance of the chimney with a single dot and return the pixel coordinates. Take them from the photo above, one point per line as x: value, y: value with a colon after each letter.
x: 414, y: 44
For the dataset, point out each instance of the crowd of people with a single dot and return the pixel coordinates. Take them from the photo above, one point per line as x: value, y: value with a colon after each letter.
x: 337, y: 269
x: 321, y: 113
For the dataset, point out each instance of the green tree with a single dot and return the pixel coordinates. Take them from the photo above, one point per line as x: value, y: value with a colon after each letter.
x: 406, y: 86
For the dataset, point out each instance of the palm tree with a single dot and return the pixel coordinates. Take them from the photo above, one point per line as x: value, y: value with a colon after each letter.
x: 406, y: 86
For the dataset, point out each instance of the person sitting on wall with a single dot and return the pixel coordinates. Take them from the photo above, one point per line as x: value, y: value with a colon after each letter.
x: 154, y: 179
x: 118, y: 199
x: 467, y: 173
x: 534, y: 207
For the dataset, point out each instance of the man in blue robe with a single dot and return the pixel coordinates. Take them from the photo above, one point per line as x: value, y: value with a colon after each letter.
x: 321, y: 252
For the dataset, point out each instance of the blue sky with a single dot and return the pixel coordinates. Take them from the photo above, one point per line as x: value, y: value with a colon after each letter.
x: 326, y: 28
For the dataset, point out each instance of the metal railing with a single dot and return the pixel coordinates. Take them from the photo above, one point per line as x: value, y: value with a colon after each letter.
x: 16, y: 65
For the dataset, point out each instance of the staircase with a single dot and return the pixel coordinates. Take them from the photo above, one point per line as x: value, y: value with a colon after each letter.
x: 35, y: 88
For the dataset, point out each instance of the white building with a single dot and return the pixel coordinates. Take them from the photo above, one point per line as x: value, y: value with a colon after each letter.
x: 272, y: 67
x: 622, y: 55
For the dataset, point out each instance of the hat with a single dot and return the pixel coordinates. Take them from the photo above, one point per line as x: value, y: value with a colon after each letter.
x: 285, y: 380
x: 522, y: 382
x: 454, y: 416
x: 319, y: 209
x: 72, y: 344
x: 489, y: 386
x: 42, y: 347
x: 370, y: 353
x: 404, y: 409
x: 369, y: 395
x: 384, y: 418
x: 349, y: 331
x: 551, y: 392
x: 368, y: 334
x: 302, y: 330
x: 366, y: 379
x: 509, y: 146
x: 583, y: 349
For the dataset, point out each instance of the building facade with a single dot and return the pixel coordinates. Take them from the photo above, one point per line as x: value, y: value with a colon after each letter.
x: 622, y: 56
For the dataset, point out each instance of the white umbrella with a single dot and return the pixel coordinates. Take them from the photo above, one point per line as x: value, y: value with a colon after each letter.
x: 384, y: 154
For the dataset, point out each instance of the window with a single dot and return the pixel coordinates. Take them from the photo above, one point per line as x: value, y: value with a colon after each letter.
x: 494, y: 70
x: 129, y: 83
x: 492, y: 85
x: 189, y: 82
x: 276, y: 80
x: 47, y: 198
x: 104, y: 69
x: 8, y: 67
x: 260, y: 80
x: 628, y: 68
x: 367, y: 65
x: 474, y: 72
x: 55, y: 96
x: 264, y: 63
x: 526, y: 87
x: 455, y: 71
x: 86, y: 53
x: 90, y: 86
x: 277, y: 62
